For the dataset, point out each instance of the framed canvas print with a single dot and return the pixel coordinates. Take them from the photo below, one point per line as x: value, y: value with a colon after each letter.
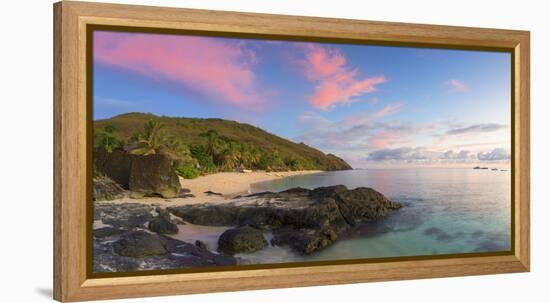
x: 201, y: 151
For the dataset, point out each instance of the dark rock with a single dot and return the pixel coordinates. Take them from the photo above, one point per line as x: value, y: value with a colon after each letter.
x: 174, y: 255
x: 115, y: 165
x: 213, y: 215
x: 163, y: 225
x: 311, y: 218
x: 211, y: 193
x: 241, y: 240
x: 139, y: 244
x: 358, y: 204
x: 186, y: 196
x: 105, y: 260
x: 305, y: 241
x: 123, y: 248
x: 153, y: 175
x: 108, y: 231
x: 200, y: 244
x: 125, y: 215
x: 105, y: 189
x: 187, y: 255
x: 168, y: 216
x: 185, y: 191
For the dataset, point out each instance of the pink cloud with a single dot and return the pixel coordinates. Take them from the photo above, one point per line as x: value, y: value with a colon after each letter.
x: 457, y: 85
x: 216, y: 68
x: 383, y: 139
x: 387, y: 110
x: 336, y: 82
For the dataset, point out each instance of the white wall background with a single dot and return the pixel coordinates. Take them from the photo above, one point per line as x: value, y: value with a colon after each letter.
x: 26, y: 149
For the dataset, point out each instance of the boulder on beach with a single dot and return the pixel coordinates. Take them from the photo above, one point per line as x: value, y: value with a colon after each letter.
x: 162, y: 224
x: 153, y: 175
x: 241, y: 240
x: 306, y: 220
x: 115, y: 165
x: 105, y: 189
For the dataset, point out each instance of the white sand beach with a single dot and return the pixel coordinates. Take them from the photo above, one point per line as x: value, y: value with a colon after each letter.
x: 228, y: 184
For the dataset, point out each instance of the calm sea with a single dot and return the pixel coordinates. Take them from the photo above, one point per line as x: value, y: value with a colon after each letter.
x: 446, y: 211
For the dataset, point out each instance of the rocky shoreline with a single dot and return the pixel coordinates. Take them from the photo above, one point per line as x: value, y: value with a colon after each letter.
x: 124, y: 239
x: 135, y: 236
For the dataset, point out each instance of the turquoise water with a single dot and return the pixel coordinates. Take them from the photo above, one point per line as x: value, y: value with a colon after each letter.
x: 446, y: 211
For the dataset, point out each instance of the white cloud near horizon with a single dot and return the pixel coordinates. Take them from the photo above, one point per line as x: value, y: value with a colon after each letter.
x: 477, y: 128
x: 424, y: 155
x: 373, y: 138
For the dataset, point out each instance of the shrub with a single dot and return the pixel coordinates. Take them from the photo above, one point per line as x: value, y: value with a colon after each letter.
x: 107, y: 138
x: 187, y: 172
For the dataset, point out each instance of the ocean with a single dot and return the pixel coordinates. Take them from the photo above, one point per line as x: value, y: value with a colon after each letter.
x: 446, y: 211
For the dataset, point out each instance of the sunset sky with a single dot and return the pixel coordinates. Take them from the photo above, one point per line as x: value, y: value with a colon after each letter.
x: 371, y: 105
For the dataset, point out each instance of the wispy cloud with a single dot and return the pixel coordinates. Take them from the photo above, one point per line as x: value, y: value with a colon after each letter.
x: 218, y: 68
x: 358, y: 133
x: 113, y: 102
x: 456, y: 85
x: 477, y: 128
x: 361, y: 118
x: 336, y: 82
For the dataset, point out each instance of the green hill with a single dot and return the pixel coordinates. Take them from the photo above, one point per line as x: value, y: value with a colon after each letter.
x: 215, y: 144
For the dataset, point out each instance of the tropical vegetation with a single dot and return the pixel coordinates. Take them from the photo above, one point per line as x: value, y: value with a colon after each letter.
x: 202, y: 146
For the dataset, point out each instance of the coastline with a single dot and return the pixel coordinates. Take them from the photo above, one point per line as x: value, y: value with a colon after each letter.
x: 228, y: 184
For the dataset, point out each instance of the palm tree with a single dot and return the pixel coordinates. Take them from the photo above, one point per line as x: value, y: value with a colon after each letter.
x: 213, y: 144
x: 231, y: 156
x: 150, y: 139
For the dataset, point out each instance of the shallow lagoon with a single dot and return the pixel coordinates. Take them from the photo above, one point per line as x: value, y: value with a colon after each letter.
x: 447, y: 211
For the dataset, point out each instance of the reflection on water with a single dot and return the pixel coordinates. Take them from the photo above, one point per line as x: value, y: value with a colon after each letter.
x: 447, y: 210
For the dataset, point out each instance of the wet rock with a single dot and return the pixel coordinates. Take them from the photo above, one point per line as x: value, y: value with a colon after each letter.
x: 139, y: 244
x: 163, y: 225
x: 241, y: 240
x: 305, y: 241
x: 105, y: 260
x: 189, y: 255
x: 200, y: 244
x: 307, y: 220
x: 139, y: 250
x: 125, y: 245
x: 123, y: 215
x: 108, y: 231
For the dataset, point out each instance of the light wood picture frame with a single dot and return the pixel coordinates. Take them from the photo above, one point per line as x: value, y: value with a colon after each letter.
x: 72, y: 136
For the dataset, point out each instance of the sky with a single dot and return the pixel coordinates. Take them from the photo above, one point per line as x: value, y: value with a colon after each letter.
x: 374, y: 106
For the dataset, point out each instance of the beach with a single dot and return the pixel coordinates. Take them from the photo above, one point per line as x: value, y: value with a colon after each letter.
x: 226, y: 185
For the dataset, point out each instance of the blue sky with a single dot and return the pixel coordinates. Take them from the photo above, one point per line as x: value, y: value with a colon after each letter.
x: 371, y: 105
